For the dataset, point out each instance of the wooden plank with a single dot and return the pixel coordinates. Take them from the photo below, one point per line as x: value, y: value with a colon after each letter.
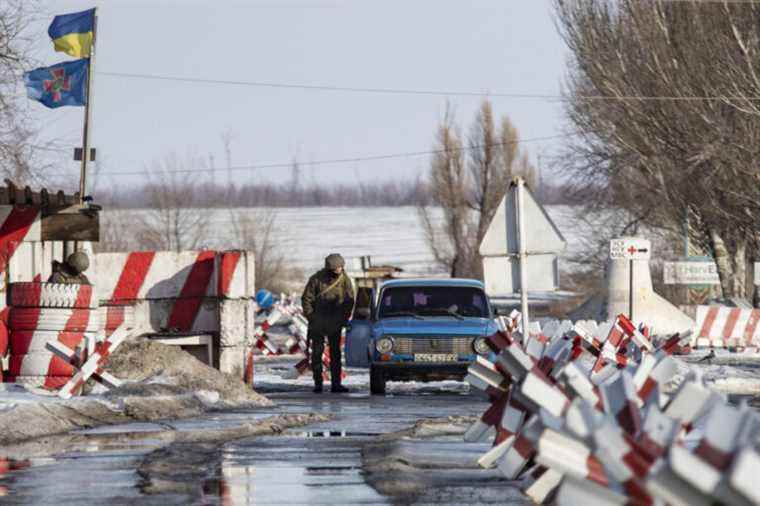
x: 68, y: 226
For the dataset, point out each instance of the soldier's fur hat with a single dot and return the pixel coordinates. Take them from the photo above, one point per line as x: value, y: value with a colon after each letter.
x: 333, y: 261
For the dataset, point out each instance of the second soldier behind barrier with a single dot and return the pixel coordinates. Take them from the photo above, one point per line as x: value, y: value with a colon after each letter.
x: 71, y: 272
x: 328, y: 301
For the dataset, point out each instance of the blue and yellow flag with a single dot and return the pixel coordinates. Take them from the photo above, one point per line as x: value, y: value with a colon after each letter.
x: 73, y: 33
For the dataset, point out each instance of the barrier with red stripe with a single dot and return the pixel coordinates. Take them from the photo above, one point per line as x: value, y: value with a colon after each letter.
x: 726, y: 327
x: 172, y: 291
x: 34, y: 325
x: 17, y: 224
x: 610, y: 435
x: 92, y: 365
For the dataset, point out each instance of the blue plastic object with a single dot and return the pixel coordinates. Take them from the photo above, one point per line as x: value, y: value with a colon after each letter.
x: 264, y: 299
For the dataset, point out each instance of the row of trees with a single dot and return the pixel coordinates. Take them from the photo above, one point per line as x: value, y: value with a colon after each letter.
x: 469, y: 175
x: 665, y: 100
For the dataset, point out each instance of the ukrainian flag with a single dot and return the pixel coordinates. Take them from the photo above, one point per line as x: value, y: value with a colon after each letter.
x: 73, y: 33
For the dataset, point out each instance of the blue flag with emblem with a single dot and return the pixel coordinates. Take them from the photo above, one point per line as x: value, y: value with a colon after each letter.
x: 61, y: 84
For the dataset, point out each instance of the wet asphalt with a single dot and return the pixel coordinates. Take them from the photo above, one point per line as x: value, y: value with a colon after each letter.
x: 324, y: 463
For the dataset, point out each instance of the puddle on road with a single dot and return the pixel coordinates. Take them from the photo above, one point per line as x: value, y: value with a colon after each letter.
x: 7, y: 467
x: 284, y: 470
x: 321, y: 463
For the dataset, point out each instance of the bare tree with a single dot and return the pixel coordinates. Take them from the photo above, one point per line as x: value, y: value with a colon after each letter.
x: 121, y: 232
x: 173, y: 221
x: 468, y: 182
x: 667, y: 121
x: 254, y: 230
x: 24, y: 156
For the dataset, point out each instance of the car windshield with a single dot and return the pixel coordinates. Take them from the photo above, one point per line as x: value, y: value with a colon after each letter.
x: 454, y: 301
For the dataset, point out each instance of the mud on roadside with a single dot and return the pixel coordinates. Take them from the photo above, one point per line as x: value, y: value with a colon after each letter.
x: 161, y: 382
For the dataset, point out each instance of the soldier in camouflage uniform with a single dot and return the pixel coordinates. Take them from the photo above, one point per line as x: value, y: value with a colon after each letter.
x: 328, y: 301
x: 71, y: 272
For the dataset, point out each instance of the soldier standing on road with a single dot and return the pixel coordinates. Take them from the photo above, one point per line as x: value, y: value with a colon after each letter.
x: 328, y: 301
x: 71, y: 272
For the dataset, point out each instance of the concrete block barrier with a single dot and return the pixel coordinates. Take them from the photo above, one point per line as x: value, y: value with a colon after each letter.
x: 114, y: 317
x: 232, y: 360
x: 607, y: 434
x: 726, y: 327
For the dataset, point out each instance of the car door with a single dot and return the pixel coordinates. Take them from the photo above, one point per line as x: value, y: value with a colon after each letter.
x: 360, y: 332
x: 357, y: 343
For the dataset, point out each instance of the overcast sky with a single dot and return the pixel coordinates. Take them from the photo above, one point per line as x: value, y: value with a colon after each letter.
x: 494, y: 46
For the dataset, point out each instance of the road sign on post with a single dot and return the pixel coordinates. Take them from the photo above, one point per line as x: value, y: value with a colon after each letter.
x: 520, y: 247
x: 630, y: 248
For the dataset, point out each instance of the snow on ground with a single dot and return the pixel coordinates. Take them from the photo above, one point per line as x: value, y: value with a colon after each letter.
x: 390, y: 235
x: 12, y: 395
x: 727, y: 372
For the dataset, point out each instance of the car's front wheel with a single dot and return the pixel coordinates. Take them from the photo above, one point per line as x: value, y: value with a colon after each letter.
x: 376, y: 380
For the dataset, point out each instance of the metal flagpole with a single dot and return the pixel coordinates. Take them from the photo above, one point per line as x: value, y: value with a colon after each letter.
x: 88, y: 111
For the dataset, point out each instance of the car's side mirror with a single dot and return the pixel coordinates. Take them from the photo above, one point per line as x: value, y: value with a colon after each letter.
x: 496, y: 311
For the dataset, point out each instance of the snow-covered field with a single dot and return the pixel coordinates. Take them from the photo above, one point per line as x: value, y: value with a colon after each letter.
x: 390, y: 235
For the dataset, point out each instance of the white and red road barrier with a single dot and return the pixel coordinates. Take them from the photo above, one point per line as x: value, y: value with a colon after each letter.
x: 43, y: 313
x: 727, y: 327
x: 296, y: 343
x: 93, y: 365
x: 586, y: 421
x: 174, y: 291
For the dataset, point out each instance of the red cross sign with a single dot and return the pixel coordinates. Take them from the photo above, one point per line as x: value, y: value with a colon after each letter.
x: 60, y: 82
x: 630, y: 248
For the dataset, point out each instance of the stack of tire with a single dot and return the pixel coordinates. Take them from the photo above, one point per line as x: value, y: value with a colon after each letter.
x: 44, y: 312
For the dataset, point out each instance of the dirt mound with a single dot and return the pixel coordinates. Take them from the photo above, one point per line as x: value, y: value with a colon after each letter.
x: 145, y: 360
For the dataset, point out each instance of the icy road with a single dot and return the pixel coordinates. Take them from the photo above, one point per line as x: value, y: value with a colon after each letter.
x: 403, y: 448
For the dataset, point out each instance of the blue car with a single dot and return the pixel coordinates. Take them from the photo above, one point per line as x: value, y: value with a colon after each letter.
x: 421, y: 330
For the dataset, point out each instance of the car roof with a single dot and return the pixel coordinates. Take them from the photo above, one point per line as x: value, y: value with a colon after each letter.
x: 459, y: 282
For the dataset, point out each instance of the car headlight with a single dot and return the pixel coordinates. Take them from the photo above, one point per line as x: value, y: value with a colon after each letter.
x: 480, y: 345
x: 384, y: 345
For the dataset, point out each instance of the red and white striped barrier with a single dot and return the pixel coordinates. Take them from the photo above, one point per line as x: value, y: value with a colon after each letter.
x: 235, y: 274
x: 113, y: 317
x: 611, y: 436
x: 169, y: 286
x: 33, y: 326
x: 17, y: 224
x: 261, y: 339
x: 726, y: 327
x: 174, y: 291
x: 94, y: 364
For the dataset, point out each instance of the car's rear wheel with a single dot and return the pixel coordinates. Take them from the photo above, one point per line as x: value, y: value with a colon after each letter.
x: 376, y: 380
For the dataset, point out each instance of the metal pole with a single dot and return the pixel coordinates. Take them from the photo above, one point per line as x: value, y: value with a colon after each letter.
x: 630, y: 289
x: 523, y: 258
x: 87, y: 112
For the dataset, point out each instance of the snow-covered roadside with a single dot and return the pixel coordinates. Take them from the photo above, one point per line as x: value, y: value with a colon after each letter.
x: 727, y: 372
x: 161, y: 383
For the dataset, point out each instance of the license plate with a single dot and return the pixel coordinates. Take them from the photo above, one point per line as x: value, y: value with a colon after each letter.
x: 435, y: 357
